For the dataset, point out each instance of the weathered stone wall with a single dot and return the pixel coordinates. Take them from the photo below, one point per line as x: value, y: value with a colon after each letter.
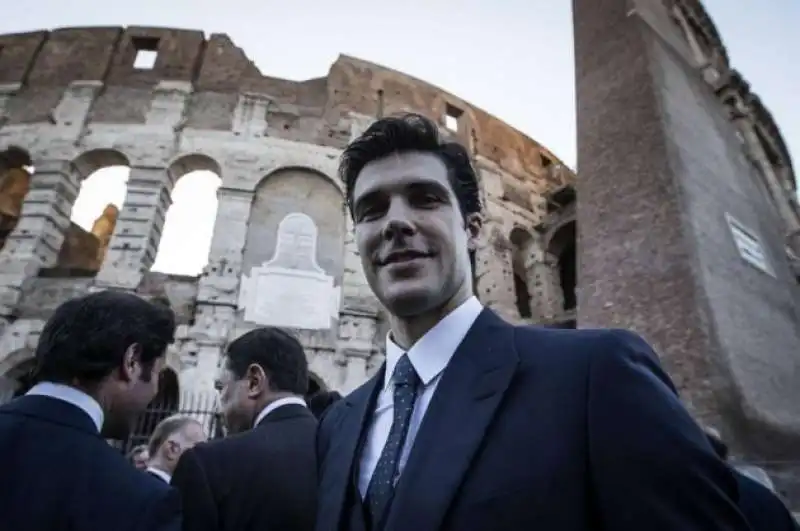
x: 73, y: 99
x: 679, y: 159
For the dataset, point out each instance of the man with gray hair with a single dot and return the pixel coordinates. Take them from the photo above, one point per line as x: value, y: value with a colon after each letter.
x: 172, y: 436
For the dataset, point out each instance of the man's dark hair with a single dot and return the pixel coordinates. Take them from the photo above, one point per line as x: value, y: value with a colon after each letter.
x: 86, y: 338
x: 276, y: 351
x: 408, y: 133
x: 165, y: 429
x: 322, y: 400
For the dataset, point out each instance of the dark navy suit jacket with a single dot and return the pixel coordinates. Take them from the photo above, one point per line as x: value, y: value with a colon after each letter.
x: 552, y: 430
x: 58, y: 473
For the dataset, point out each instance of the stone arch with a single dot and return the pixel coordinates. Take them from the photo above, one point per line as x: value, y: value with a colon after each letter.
x: 100, y: 177
x: 296, y: 189
x: 168, y: 395
x: 16, y: 170
x: 521, y: 241
x: 310, y: 169
x: 562, y: 246
x: 185, y: 241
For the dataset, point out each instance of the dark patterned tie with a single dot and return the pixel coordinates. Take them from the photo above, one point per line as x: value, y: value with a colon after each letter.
x: 381, y: 485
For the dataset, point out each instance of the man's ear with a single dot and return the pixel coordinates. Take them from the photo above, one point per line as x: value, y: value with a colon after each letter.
x: 131, y: 369
x: 257, y: 381
x: 474, y: 228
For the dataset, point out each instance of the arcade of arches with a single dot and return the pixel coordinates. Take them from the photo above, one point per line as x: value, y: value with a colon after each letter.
x: 544, y: 265
x: 104, y: 181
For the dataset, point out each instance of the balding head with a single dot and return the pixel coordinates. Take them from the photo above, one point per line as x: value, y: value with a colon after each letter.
x: 172, y: 437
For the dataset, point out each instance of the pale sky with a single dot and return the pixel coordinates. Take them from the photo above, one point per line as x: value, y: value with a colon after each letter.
x: 513, y: 58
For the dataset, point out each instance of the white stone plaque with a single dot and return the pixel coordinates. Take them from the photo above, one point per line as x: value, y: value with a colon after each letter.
x: 291, y: 290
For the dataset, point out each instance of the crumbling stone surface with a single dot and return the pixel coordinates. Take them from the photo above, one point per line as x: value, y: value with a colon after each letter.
x: 76, y: 100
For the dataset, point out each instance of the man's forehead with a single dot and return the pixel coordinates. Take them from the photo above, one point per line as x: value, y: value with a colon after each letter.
x: 400, y: 169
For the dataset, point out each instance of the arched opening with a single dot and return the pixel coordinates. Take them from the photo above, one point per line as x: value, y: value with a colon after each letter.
x: 296, y: 221
x: 103, y: 175
x: 521, y: 241
x: 189, y: 223
x: 163, y: 405
x: 16, y: 169
x: 563, y: 248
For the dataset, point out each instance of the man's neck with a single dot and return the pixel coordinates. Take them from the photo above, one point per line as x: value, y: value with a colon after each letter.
x: 408, y: 330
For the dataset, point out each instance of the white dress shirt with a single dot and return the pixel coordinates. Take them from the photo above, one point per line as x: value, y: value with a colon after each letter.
x: 73, y: 396
x: 160, y: 473
x: 275, y: 405
x: 429, y: 356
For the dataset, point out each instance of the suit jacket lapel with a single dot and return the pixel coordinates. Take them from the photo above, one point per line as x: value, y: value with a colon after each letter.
x: 459, y: 415
x: 342, y: 455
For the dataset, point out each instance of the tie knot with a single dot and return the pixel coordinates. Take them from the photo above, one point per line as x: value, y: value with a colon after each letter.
x: 404, y: 372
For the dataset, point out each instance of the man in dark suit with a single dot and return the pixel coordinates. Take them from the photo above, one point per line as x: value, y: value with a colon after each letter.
x: 475, y: 424
x: 98, y: 362
x: 762, y: 508
x: 263, y: 477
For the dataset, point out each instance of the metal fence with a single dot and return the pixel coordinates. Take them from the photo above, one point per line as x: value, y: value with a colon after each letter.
x: 201, y: 406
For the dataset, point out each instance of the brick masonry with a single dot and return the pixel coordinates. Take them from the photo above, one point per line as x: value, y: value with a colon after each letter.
x: 671, y: 145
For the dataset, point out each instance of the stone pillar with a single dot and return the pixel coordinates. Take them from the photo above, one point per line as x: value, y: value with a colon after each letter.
x: 218, y: 291
x: 636, y: 254
x: 36, y: 240
x: 358, y: 317
x: 133, y: 245
x: 494, y: 273
x: 547, y: 297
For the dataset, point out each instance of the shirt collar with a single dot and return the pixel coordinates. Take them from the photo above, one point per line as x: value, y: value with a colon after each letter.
x: 431, y: 354
x: 160, y: 473
x: 73, y: 396
x: 272, y: 406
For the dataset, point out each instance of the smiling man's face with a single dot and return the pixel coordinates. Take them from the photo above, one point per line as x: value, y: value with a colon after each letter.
x: 411, y: 234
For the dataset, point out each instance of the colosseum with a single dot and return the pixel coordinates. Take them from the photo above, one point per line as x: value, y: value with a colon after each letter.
x: 685, y: 208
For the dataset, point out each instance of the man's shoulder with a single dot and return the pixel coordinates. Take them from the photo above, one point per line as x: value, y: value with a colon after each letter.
x: 578, y: 345
x: 111, y: 468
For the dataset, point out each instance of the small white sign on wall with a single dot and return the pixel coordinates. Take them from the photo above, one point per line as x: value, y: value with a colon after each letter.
x: 749, y: 246
x: 291, y: 290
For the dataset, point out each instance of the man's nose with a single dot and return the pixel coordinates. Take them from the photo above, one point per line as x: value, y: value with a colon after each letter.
x: 398, y: 221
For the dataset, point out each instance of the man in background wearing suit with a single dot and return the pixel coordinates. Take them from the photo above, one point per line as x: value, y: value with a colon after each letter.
x: 263, y: 477
x: 169, y: 440
x: 98, y: 362
x: 475, y: 424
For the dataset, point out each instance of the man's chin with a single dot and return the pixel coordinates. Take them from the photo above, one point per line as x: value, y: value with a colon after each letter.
x: 409, y: 300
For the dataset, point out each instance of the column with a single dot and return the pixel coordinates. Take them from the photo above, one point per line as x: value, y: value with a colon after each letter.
x: 37, y: 238
x: 218, y: 292
x: 133, y: 245
x: 358, y: 317
x: 547, y: 296
x: 494, y: 272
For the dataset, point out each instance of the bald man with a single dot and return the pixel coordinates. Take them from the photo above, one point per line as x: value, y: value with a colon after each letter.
x: 172, y: 437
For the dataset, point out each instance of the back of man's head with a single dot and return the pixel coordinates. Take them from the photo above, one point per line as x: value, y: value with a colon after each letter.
x: 277, y: 352
x: 86, y: 338
x: 111, y: 345
x: 170, y: 438
x: 260, y: 367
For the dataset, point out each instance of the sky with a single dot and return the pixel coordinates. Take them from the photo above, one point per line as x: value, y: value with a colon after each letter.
x: 513, y: 58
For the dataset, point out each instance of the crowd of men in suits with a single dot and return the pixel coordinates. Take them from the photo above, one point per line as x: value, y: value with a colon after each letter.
x: 471, y: 424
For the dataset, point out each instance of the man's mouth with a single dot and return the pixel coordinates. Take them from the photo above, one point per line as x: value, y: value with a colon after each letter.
x: 401, y: 257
